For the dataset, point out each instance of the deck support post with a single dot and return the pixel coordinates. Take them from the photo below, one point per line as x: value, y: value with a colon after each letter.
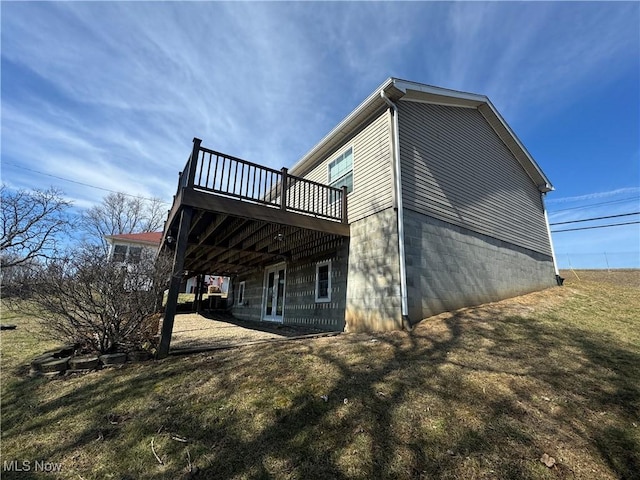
x: 199, y: 285
x: 176, y: 280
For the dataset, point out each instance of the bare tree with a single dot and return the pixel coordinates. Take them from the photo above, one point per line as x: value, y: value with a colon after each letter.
x: 102, y: 305
x: 32, y: 222
x: 119, y: 213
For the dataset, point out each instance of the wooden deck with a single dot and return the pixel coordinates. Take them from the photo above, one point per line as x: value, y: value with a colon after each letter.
x: 231, y: 216
x: 244, y: 215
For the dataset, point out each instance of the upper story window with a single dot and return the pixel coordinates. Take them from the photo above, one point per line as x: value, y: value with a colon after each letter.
x: 126, y: 253
x: 135, y: 254
x: 119, y: 253
x: 341, y: 171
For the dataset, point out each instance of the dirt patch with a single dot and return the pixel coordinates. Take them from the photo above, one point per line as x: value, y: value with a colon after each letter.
x: 195, y: 331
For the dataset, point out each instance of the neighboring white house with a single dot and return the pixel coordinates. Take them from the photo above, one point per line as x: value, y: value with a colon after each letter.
x: 128, y: 247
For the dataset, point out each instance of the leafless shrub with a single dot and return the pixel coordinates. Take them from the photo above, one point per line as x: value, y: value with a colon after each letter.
x: 104, y: 306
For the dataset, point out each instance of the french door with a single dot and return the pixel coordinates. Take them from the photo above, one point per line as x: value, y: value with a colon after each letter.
x: 274, y: 284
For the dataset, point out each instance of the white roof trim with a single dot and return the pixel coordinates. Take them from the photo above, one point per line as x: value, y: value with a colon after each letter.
x: 546, y: 187
x: 405, y: 86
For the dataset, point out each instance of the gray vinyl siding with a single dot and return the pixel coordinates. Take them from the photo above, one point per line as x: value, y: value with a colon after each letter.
x: 372, y: 168
x: 455, y: 168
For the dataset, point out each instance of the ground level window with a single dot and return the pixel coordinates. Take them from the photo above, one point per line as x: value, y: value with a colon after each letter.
x: 241, y: 293
x: 323, y: 282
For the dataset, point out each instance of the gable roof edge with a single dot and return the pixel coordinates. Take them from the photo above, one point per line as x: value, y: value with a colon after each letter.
x: 342, y: 130
x: 396, y: 89
x: 516, y: 146
x: 493, y: 117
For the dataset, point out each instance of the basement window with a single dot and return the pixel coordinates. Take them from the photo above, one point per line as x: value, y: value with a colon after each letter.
x: 241, y: 293
x: 323, y: 282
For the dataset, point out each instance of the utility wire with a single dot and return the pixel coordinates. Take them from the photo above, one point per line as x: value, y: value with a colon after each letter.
x: 79, y: 183
x: 595, y: 204
x: 596, y: 218
x: 596, y: 226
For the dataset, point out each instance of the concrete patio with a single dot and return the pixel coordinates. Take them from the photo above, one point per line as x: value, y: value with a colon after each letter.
x: 212, y: 331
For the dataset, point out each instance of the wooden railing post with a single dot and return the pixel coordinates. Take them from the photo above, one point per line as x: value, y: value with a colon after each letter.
x: 283, y: 182
x: 344, y: 205
x: 193, y: 162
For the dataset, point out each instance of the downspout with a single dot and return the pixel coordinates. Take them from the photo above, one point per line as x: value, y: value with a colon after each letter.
x: 406, y: 323
x: 559, y: 279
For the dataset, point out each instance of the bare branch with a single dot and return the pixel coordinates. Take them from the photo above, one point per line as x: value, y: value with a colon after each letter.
x: 118, y: 214
x: 32, y: 223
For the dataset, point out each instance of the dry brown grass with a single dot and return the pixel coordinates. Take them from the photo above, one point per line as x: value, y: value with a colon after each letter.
x: 480, y: 393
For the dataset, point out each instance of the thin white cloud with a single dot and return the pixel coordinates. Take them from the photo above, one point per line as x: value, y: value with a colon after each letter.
x: 618, y: 192
x: 523, y: 54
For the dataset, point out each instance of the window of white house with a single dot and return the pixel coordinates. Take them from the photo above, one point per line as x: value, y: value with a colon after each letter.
x: 241, y: 293
x: 119, y: 253
x: 323, y: 282
x: 341, y: 171
x: 135, y: 254
x: 126, y: 254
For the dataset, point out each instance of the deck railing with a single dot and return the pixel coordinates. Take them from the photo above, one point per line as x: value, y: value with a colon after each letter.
x: 233, y: 177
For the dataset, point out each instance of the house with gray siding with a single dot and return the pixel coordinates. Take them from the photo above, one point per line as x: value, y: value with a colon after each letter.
x: 421, y: 200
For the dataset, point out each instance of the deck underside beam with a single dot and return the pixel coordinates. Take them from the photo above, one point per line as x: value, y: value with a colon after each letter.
x: 228, y: 236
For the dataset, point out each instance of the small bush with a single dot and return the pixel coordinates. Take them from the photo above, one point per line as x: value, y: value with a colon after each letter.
x: 103, y: 306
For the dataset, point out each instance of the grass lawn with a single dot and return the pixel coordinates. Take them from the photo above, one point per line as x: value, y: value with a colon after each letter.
x: 481, y: 393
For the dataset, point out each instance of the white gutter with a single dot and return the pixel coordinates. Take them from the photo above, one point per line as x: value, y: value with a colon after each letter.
x: 553, y: 253
x: 406, y: 323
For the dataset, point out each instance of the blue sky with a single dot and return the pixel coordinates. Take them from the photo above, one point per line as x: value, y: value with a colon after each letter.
x: 110, y: 94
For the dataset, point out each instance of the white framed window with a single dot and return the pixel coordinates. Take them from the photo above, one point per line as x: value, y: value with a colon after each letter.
x: 241, y: 293
x: 134, y: 255
x: 323, y: 282
x: 126, y: 254
x: 341, y: 171
x: 119, y: 253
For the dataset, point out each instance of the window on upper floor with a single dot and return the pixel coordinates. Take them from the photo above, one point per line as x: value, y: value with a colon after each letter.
x: 126, y: 254
x: 341, y: 171
x: 119, y: 253
x: 135, y: 254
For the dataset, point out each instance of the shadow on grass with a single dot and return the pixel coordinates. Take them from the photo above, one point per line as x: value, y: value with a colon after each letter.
x: 475, y: 397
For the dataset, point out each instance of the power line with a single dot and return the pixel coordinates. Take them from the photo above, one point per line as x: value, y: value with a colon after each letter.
x: 594, y: 205
x: 597, y: 226
x: 596, y: 218
x: 79, y: 183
